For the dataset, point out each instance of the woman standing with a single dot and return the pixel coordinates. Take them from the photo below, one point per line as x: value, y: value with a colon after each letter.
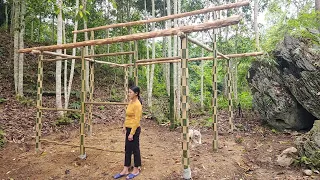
x: 132, y: 130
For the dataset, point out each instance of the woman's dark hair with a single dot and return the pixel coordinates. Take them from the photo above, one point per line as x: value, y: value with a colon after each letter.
x: 136, y: 89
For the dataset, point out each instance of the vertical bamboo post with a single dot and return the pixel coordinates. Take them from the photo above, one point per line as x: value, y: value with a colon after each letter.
x: 39, y: 103
x: 215, y: 90
x: 83, y: 99
x: 230, y: 95
x: 135, y: 74
x: 91, y: 86
x: 185, y: 108
x: 126, y: 84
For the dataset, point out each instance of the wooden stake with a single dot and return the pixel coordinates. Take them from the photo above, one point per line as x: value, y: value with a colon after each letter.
x: 174, y: 16
x: 139, y: 36
x: 39, y: 103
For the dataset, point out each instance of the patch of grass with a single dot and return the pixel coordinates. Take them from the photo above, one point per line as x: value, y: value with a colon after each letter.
x: 101, y: 108
x: 2, y: 100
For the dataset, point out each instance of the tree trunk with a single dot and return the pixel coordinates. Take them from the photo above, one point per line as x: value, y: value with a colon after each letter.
x: 175, y: 53
x: 59, y: 63
x: 12, y: 15
x: 66, y: 105
x: 6, y: 16
x: 317, y: 6
x: 21, y: 46
x: 169, y: 48
x: 178, y: 67
x: 65, y: 76
x: 53, y: 32
x: 16, y: 44
x: 256, y: 24
x: 153, y: 57
x: 39, y: 28
x: 201, y: 75
x: 31, y: 33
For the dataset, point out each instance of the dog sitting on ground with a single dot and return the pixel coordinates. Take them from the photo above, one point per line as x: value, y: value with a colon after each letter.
x: 195, y: 136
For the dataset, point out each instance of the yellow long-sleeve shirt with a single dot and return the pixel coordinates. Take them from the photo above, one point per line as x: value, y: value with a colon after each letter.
x: 133, y: 116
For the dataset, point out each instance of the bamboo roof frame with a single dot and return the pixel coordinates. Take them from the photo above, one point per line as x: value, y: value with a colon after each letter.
x: 139, y: 36
x: 164, y: 18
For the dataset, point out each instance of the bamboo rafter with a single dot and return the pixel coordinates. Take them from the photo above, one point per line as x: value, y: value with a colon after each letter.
x: 106, y: 103
x: 174, y: 16
x: 139, y: 36
x: 252, y: 54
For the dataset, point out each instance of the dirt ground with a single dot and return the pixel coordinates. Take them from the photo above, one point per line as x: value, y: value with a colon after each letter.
x: 242, y: 155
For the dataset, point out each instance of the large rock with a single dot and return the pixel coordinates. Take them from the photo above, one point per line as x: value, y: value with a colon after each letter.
x: 308, y: 146
x: 287, y: 95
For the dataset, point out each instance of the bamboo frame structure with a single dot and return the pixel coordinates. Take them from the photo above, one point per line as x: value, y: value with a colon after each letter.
x: 58, y: 109
x: 164, y: 18
x: 91, y: 88
x: 83, y: 99
x: 39, y: 103
x: 185, y: 108
x: 135, y: 37
x: 215, y: 91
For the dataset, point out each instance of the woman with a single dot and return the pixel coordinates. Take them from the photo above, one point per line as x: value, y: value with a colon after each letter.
x: 132, y: 130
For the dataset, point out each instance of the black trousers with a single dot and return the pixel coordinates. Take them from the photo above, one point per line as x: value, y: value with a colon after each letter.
x: 132, y: 147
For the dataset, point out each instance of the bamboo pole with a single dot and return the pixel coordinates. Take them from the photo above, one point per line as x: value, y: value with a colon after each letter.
x: 39, y: 103
x: 158, y: 59
x: 74, y: 57
x: 58, y: 109
x: 106, y: 103
x: 74, y: 145
x: 174, y: 16
x: 91, y: 87
x: 83, y: 99
x: 139, y: 36
x: 210, y: 58
x: 206, y: 47
x: 215, y: 90
x: 230, y: 105
x: 56, y: 59
x: 110, y: 54
x: 135, y: 59
x: 185, y: 108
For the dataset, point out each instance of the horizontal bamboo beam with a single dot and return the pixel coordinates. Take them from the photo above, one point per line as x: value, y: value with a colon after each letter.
x: 110, y: 54
x: 194, y: 41
x: 75, y: 145
x: 200, y: 59
x: 139, y: 36
x: 106, y: 103
x: 174, y: 16
x: 56, y: 59
x: 58, y: 109
x: 72, y: 57
x: 158, y: 59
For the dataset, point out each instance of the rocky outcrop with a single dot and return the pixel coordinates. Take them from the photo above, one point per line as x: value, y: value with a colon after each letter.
x: 287, y: 95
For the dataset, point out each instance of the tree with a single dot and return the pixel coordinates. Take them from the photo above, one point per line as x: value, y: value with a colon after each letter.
x: 21, y: 46
x: 59, y: 63
x: 256, y: 13
x: 16, y: 43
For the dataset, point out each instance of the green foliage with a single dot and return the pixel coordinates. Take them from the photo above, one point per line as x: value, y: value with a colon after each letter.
x: 64, y: 120
x: 2, y: 138
x: 101, y: 107
x: 2, y: 100
x: 75, y: 105
x: 73, y: 115
x: 25, y: 101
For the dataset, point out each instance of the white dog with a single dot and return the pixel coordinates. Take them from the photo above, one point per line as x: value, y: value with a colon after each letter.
x: 195, y: 136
